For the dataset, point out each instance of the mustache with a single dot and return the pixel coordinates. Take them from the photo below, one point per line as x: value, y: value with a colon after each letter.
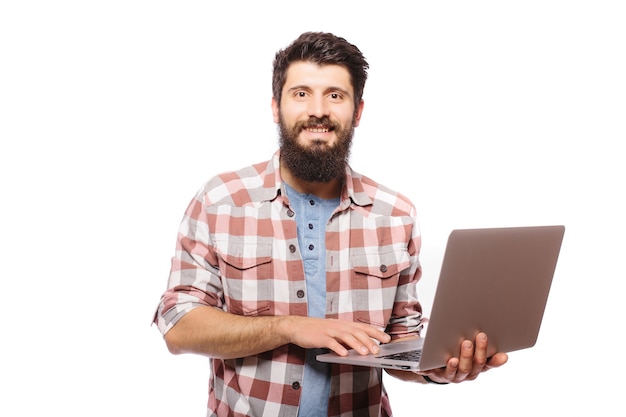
x: 313, y: 122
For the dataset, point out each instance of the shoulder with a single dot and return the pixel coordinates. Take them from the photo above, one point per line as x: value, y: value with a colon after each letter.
x: 245, y: 185
x: 384, y: 199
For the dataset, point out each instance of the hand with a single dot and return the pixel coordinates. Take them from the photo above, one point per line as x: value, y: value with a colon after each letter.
x: 472, y: 362
x: 336, y: 335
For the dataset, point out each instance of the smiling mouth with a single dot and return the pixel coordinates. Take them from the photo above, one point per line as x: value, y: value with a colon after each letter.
x: 318, y: 129
x: 316, y: 125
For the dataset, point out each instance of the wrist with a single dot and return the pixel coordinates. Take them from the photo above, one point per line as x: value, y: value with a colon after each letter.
x: 283, y: 328
x: 430, y: 381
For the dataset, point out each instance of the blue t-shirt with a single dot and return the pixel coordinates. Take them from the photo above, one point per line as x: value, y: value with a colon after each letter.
x: 312, y: 214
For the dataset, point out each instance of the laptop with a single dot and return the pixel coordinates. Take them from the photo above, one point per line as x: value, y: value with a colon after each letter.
x: 494, y: 280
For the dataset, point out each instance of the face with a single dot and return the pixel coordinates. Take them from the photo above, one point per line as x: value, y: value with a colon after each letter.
x: 316, y: 119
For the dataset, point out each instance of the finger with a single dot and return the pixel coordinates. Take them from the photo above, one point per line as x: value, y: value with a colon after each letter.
x: 497, y: 360
x: 358, y: 342
x: 466, y: 360
x: 480, y: 355
x: 368, y: 335
x: 374, y: 333
x: 360, y: 337
x: 336, y: 347
x: 449, y: 372
x: 369, y: 341
x: 479, y: 359
x: 367, y: 345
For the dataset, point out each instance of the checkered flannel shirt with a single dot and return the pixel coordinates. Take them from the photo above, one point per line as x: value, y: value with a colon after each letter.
x: 237, y: 250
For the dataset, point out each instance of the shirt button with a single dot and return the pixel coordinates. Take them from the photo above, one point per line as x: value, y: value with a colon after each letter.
x: 300, y: 294
x: 290, y: 213
x: 295, y: 385
x: 292, y: 248
x: 311, y: 247
x: 383, y: 268
x: 312, y: 202
x: 311, y: 226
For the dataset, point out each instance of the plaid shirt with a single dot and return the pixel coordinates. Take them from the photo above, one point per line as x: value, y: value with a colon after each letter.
x: 237, y: 250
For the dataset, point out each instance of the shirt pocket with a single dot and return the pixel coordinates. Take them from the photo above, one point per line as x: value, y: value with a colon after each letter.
x: 375, y: 277
x: 246, y: 271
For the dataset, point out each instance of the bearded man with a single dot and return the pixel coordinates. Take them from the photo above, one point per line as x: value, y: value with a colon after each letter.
x: 297, y: 255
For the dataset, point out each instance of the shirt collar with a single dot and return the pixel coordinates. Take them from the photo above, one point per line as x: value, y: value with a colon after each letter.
x: 353, y: 190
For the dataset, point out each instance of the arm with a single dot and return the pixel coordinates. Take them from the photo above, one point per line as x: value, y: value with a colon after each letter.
x: 213, y: 332
x: 191, y: 313
x: 471, y: 363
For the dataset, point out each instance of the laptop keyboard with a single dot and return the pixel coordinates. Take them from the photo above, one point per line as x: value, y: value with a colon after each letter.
x: 411, y: 355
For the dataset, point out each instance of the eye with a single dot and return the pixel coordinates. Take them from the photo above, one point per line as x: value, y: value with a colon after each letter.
x: 335, y: 96
x: 300, y: 95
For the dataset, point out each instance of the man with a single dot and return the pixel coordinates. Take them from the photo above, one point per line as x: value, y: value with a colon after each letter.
x: 281, y: 260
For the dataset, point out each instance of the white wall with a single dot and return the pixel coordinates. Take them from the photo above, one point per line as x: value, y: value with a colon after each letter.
x: 112, y: 114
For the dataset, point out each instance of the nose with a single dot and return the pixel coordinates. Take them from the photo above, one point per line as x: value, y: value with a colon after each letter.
x: 318, y: 107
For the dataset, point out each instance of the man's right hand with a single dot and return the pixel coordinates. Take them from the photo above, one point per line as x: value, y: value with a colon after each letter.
x: 336, y: 335
x: 215, y: 333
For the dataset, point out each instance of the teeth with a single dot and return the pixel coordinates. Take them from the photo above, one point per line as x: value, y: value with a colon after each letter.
x: 318, y: 130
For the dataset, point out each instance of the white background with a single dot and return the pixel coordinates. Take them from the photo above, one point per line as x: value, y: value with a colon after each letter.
x: 484, y: 113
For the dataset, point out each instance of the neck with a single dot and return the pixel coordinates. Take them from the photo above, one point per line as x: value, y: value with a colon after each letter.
x: 325, y: 190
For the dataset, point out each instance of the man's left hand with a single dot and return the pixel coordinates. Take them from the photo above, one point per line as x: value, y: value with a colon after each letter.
x: 472, y: 362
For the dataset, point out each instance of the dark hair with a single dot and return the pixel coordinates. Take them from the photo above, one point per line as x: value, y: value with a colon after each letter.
x: 322, y: 49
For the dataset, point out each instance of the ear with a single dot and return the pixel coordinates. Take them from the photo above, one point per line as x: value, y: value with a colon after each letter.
x: 275, y: 111
x: 358, y: 113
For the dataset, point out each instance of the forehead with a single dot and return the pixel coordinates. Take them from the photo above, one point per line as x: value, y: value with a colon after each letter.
x: 314, y: 76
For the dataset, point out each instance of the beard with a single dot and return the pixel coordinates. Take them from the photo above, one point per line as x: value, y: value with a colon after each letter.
x: 317, y: 162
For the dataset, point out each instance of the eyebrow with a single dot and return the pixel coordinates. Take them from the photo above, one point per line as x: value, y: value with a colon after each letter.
x: 327, y: 90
